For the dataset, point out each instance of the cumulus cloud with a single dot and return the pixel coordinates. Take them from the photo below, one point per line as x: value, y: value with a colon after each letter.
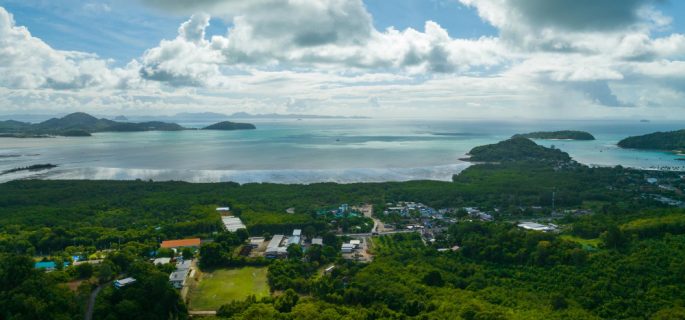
x: 28, y: 62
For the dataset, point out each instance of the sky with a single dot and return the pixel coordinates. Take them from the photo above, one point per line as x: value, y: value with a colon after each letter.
x: 443, y: 59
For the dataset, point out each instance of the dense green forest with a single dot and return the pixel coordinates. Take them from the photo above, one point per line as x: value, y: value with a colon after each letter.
x: 672, y: 140
x: 564, y: 135
x: 622, y: 260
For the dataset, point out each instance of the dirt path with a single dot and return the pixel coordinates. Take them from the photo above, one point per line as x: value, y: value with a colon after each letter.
x: 91, y: 301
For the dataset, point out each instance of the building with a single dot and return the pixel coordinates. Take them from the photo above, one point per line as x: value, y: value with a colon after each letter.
x: 161, y: 261
x: 347, y: 248
x: 182, y: 243
x: 223, y: 209
x: 356, y: 243
x: 296, y: 238
x: 48, y: 265
x: 255, y: 242
x: 183, y: 264
x: 318, y: 241
x: 328, y: 270
x: 178, y: 278
x: 124, y: 282
x: 232, y: 223
x: 274, y: 248
x: 536, y: 226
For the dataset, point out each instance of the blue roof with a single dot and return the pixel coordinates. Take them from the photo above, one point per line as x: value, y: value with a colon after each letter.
x: 45, y: 265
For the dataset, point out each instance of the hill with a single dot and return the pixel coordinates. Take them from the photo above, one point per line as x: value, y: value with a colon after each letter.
x: 227, y: 125
x: 560, y: 135
x: 517, y: 149
x: 80, y: 124
x: 671, y: 140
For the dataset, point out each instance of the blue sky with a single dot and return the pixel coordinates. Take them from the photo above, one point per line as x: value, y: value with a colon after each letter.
x: 443, y: 58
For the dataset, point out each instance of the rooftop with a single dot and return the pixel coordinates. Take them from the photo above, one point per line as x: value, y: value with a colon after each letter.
x: 195, y: 242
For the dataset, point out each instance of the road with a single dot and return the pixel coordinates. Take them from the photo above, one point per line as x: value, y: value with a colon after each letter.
x: 91, y: 301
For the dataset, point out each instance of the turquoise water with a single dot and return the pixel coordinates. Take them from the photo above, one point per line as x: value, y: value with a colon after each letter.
x: 291, y: 151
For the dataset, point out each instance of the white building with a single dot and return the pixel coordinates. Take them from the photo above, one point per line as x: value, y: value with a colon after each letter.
x: 536, y: 226
x: 123, y: 282
x: 347, y: 248
x: 232, y: 224
x: 178, y: 278
x: 318, y: 241
x: 161, y: 261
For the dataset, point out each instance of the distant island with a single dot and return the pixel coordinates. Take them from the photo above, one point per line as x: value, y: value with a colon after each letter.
x: 228, y: 125
x: 517, y: 149
x: 78, y: 124
x: 668, y: 141
x: 35, y: 167
x: 558, y: 135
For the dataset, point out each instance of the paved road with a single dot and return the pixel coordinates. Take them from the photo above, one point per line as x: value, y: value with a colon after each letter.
x: 380, y: 233
x: 91, y: 301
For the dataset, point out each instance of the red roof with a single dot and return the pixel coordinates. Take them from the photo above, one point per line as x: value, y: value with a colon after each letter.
x: 195, y: 242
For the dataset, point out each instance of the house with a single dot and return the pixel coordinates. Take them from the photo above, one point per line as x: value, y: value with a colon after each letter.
x: 124, y: 282
x: 178, y: 278
x: 161, y: 261
x: 223, y: 209
x: 318, y: 241
x: 295, y: 239
x: 356, y: 243
x: 182, y: 243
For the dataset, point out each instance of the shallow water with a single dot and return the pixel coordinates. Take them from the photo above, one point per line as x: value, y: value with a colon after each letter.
x: 291, y: 151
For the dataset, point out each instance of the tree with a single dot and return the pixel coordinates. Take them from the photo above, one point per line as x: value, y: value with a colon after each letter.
x: 84, y: 270
x: 434, y: 279
x: 187, y: 253
x: 242, y: 234
x: 287, y: 301
x: 105, y: 272
x: 294, y: 251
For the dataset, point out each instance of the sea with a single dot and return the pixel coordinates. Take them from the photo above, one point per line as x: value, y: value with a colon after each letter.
x: 315, y: 150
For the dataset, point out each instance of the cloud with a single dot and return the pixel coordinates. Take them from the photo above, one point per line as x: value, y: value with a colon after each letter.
x: 28, y: 62
x: 577, y: 15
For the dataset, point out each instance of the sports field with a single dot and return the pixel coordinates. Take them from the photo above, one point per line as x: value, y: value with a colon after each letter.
x: 225, y: 285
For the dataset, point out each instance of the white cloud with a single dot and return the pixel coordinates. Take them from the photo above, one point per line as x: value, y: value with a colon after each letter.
x: 327, y: 57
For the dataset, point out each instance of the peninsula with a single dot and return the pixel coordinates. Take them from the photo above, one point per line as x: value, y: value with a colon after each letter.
x: 667, y: 141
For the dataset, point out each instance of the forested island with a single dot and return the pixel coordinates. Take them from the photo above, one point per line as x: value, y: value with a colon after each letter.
x: 516, y: 149
x: 667, y: 141
x: 558, y: 135
x: 228, y: 125
x: 616, y: 253
x: 78, y: 124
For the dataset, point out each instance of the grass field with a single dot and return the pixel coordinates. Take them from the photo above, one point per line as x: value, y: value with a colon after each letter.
x: 593, y: 243
x: 224, y: 285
